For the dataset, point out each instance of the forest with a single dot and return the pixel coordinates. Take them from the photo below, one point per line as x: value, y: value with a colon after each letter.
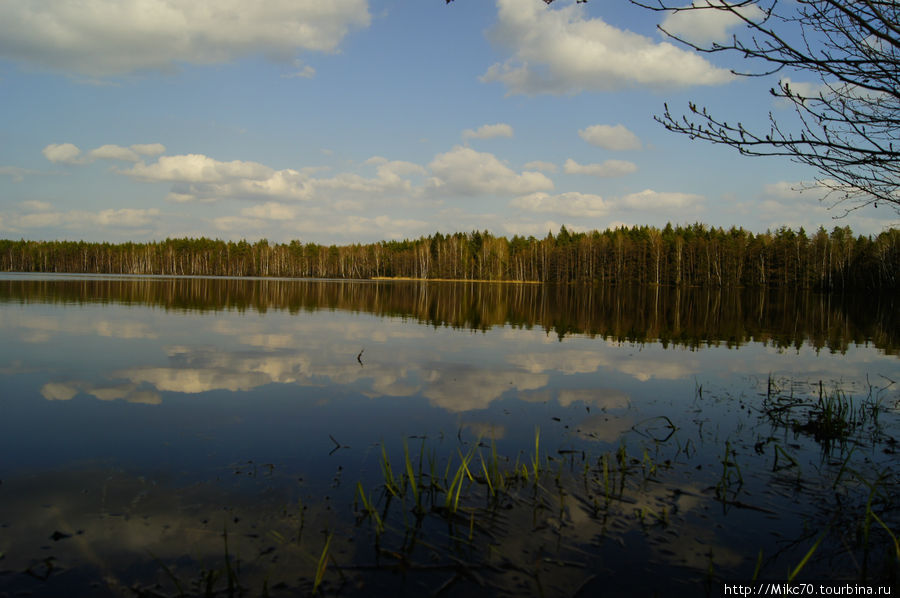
x: 694, y: 255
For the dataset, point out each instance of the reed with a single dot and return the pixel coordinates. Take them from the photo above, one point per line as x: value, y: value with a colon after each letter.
x: 390, y: 482
x: 414, y: 481
x: 536, y: 459
x: 370, y: 510
x: 455, y: 488
x: 731, y: 475
x: 322, y: 564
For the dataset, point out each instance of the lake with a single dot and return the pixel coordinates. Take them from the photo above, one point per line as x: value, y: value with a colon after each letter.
x: 166, y: 436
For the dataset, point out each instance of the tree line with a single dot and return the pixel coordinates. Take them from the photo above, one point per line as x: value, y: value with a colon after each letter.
x: 695, y: 255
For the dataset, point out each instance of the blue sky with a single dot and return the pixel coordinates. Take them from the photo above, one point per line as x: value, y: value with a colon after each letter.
x: 358, y: 120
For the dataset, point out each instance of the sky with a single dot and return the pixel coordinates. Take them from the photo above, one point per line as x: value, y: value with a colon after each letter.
x: 343, y: 121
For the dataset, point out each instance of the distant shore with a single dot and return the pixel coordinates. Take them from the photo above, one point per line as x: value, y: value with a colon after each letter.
x: 454, y: 280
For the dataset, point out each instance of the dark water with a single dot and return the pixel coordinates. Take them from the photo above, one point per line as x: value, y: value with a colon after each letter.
x: 198, y: 436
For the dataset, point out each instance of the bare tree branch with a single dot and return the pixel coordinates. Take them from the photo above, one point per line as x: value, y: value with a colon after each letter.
x: 848, y: 128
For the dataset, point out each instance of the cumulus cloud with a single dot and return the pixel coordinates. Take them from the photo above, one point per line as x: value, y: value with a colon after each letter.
x: 709, y: 24
x: 610, y: 137
x: 488, y: 132
x: 561, y: 51
x: 572, y: 203
x: 649, y: 199
x: 113, y: 37
x: 65, y: 153
x: 463, y: 170
x: 610, y: 168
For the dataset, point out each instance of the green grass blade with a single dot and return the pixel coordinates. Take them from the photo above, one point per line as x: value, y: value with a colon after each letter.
x: 806, y: 558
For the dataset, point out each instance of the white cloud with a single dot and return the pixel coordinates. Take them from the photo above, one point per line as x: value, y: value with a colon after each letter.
x: 353, y: 227
x: 302, y: 71
x: 16, y: 173
x: 114, y: 152
x: 572, y: 203
x: 195, y: 380
x: 197, y: 177
x: 235, y: 223
x: 795, y: 204
x: 59, y: 391
x: 197, y: 168
x: 610, y: 168
x: 127, y: 217
x: 601, y: 398
x: 802, y: 89
x: 541, y: 165
x: 270, y: 210
x: 659, y: 200
x: 585, y: 205
x: 128, y: 392
x: 38, y: 220
x: 463, y: 170
x: 69, y: 153
x: 610, y: 137
x: 148, y: 149
x: 568, y: 362
x: 534, y: 229
x: 560, y: 51
x: 708, y: 24
x: 65, y: 153
x: 784, y: 189
x: 78, y: 219
x: 488, y: 131
x: 36, y: 206
x: 574, y: 361
x: 391, y: 173
x: 111, y: 37
x: 466, y: 388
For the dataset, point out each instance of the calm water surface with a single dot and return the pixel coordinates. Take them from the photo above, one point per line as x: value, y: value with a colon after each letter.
x: 163, y: 436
